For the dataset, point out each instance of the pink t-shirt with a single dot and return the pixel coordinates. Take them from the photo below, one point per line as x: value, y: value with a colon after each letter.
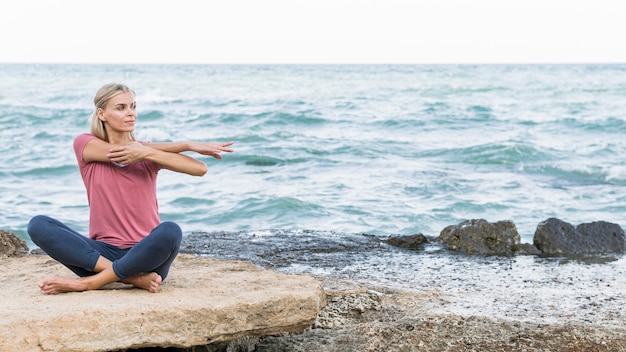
x: 122, y: 200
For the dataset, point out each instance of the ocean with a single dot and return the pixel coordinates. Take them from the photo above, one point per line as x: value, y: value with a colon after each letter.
x: 374, y: 149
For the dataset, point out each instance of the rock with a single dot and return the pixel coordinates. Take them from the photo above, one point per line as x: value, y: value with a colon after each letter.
x: 528, y: 249
x: 347, y: 308
x: 409, y: 242
x: 203, y: 301
x: 478, y: 236
x: 557, y: 237
x: 11, y: 245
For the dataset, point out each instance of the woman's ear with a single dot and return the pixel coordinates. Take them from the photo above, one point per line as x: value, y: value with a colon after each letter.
x: 100, y: 114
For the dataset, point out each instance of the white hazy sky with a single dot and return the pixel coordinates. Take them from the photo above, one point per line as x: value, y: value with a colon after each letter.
x: 313, y: 31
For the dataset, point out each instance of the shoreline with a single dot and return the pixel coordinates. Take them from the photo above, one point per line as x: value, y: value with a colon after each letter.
x: 359, y: 318
x: 368, y: 320
x: 383, y: 298
x: 521, y: 287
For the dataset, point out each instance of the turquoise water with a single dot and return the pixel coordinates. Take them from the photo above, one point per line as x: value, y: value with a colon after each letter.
x: 381, y: 149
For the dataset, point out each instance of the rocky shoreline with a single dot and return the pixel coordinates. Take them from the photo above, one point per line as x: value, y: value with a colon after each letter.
x: 513, y: 298
x: 418, y: 293
x: 401, y: 321
x: 364, y: 319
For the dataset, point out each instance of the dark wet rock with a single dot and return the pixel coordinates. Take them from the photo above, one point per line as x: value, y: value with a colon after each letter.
x: 11, y: 245
x: 528, y: 249
x: 409, y: 242
x: 274, y: 249
x: 480, y: 237
x: 557, y: 237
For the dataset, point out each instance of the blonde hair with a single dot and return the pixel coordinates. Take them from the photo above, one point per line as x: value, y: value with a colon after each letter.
x: 103, y: 95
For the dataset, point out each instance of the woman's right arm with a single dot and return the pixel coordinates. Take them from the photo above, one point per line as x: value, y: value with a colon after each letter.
x: 204, y: 148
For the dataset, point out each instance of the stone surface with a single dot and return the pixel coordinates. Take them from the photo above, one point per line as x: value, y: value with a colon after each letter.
x: 557, y: 237
x: 408, y: 242
x: 480, y: 237
x: 11, y: 245
x: 202, y: 301
x: 528, y: 249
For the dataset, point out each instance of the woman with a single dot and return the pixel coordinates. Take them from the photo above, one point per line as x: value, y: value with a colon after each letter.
x: 127, y: 241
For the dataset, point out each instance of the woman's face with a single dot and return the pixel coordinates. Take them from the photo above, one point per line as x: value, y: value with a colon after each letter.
x: 120, y: 113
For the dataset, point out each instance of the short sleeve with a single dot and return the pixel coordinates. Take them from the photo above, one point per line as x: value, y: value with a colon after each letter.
x: 79, y: 145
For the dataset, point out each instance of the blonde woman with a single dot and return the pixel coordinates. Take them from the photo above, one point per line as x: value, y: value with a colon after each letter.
x: 127, y: 242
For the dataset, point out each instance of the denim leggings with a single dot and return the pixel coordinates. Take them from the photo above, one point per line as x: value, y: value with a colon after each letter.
x: 154, y: 253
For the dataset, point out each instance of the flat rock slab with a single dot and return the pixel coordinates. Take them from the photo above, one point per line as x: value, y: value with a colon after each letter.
x: 202, y: 301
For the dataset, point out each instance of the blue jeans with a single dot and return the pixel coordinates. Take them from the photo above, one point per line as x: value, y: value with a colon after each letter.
x: 154, y: 253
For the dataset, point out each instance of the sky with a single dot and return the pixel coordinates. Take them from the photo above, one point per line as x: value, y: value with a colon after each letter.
x: 313, y: 31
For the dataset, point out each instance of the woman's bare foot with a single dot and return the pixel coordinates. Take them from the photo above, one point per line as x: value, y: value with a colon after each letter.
x: 60, y: 284
x: 148, y: 281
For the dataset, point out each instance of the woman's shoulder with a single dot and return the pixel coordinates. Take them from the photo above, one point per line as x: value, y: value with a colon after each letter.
x: 88, y: 136
x: 83, y: 138
x: 81, y: 141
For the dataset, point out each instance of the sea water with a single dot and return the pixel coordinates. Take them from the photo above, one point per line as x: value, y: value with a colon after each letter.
x: 377, y: 149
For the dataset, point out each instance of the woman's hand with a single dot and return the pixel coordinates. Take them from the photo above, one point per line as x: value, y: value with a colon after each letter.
x: 128, y: 154
x: 211, y: 149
